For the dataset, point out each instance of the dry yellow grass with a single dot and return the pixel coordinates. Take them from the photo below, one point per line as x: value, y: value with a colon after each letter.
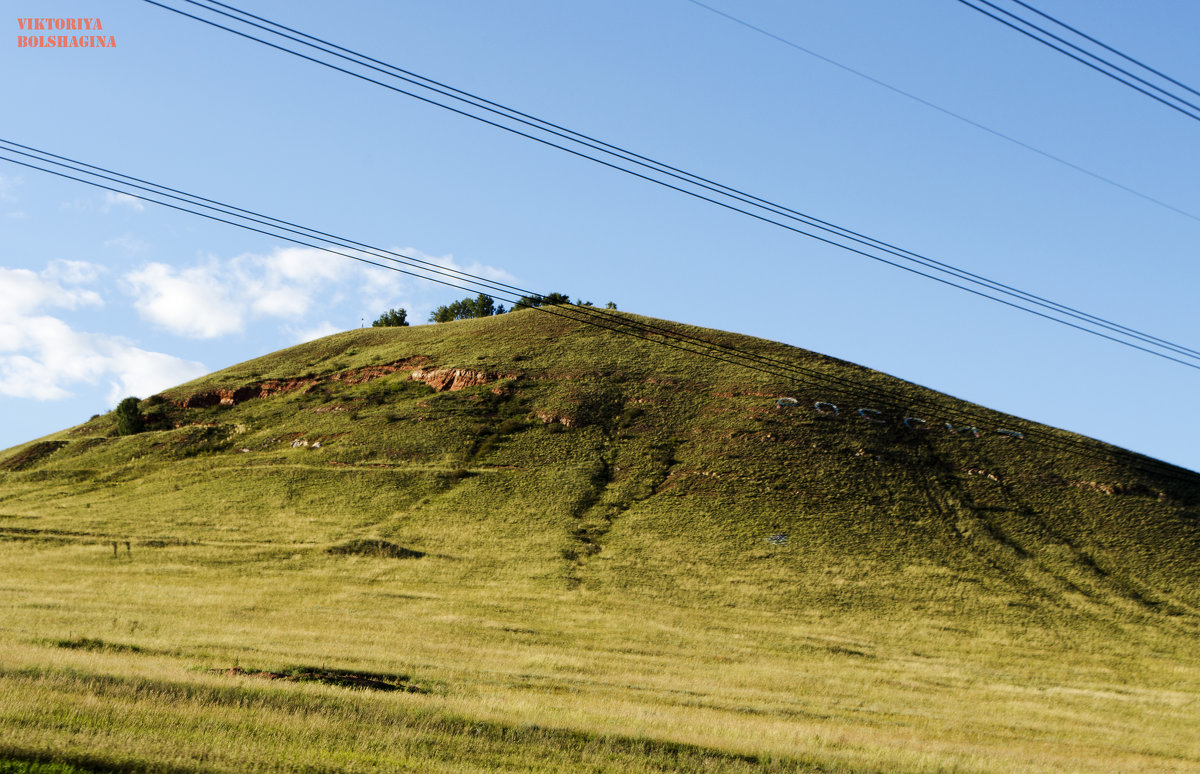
x: 742, y: 688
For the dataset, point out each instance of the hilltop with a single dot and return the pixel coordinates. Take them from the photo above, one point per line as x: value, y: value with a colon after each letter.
x: 484, y: 502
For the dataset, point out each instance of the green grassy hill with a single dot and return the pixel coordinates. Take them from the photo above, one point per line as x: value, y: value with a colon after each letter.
x: 520, y: 542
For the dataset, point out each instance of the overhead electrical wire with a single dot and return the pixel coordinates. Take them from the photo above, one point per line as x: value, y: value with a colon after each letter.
x: 1096, y: 62
x: 867, y: 246
x: 1107, y: 47
x: 620, y: 324
x: 496, y: 289
x: 396, y: 259
x: 945, y: 111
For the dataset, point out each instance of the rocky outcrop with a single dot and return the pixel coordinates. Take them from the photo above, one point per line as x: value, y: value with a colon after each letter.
x: 1137, y: 490
x: 550, y: 417
x: 451, y: 379
x: 231, y: 397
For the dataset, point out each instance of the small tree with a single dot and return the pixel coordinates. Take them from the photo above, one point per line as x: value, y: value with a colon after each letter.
x: 610, y: 305
x: 129, y: 417
x: 392, y: 318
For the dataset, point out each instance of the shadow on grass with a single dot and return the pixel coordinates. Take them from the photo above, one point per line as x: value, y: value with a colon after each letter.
x: 377, y: 548
x: 344, y: 678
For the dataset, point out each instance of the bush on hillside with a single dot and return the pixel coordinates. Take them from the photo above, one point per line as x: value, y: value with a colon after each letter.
x: 129, y: 417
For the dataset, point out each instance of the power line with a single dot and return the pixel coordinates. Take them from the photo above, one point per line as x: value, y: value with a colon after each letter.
x: 495, y: 289
x: 620, y: 324
x: 1106, y: 47
x: 741, y: 196
x: 945, y: 111
x: 1114, y: 71
x: 872, y: 246
x: 632, y: 329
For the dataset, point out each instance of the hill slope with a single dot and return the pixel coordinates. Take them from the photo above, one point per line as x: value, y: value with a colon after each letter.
x: 563, y: 526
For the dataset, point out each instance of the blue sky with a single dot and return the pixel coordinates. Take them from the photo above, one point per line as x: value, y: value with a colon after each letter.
x: 103, y: 296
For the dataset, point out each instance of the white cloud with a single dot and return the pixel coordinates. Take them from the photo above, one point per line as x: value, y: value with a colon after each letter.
x: 292, y: 285
x: 220, y: 297
x: 24, y: 291
x: 194, y: 302
x: 42, y: 356
x: 139, y: 372
x: 325, y: 328
x: 113, y: 199
x: 303, y: 263
x: 54, y: 357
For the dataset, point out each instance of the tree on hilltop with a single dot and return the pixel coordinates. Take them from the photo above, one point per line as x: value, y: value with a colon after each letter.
x: 528, y: 302
x: 466, y: 309
x: 392, y: 318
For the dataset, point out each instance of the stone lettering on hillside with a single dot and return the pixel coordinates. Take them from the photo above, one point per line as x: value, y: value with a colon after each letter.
x: 877, y: 417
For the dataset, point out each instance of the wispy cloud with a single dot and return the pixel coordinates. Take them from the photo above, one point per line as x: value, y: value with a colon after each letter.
x: 113, y: 199
x: 8, y: 185
x: 320, y: 330
x: 128, y: 244
x: 73, y: 272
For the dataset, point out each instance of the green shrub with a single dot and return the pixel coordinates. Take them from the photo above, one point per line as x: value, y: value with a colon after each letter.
x: 129, y: 417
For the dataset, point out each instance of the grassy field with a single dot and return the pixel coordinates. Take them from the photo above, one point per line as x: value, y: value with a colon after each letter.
x: 598, y: 555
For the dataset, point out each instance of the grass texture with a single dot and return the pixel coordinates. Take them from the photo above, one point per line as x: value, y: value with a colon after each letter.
x: 518, y: 543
